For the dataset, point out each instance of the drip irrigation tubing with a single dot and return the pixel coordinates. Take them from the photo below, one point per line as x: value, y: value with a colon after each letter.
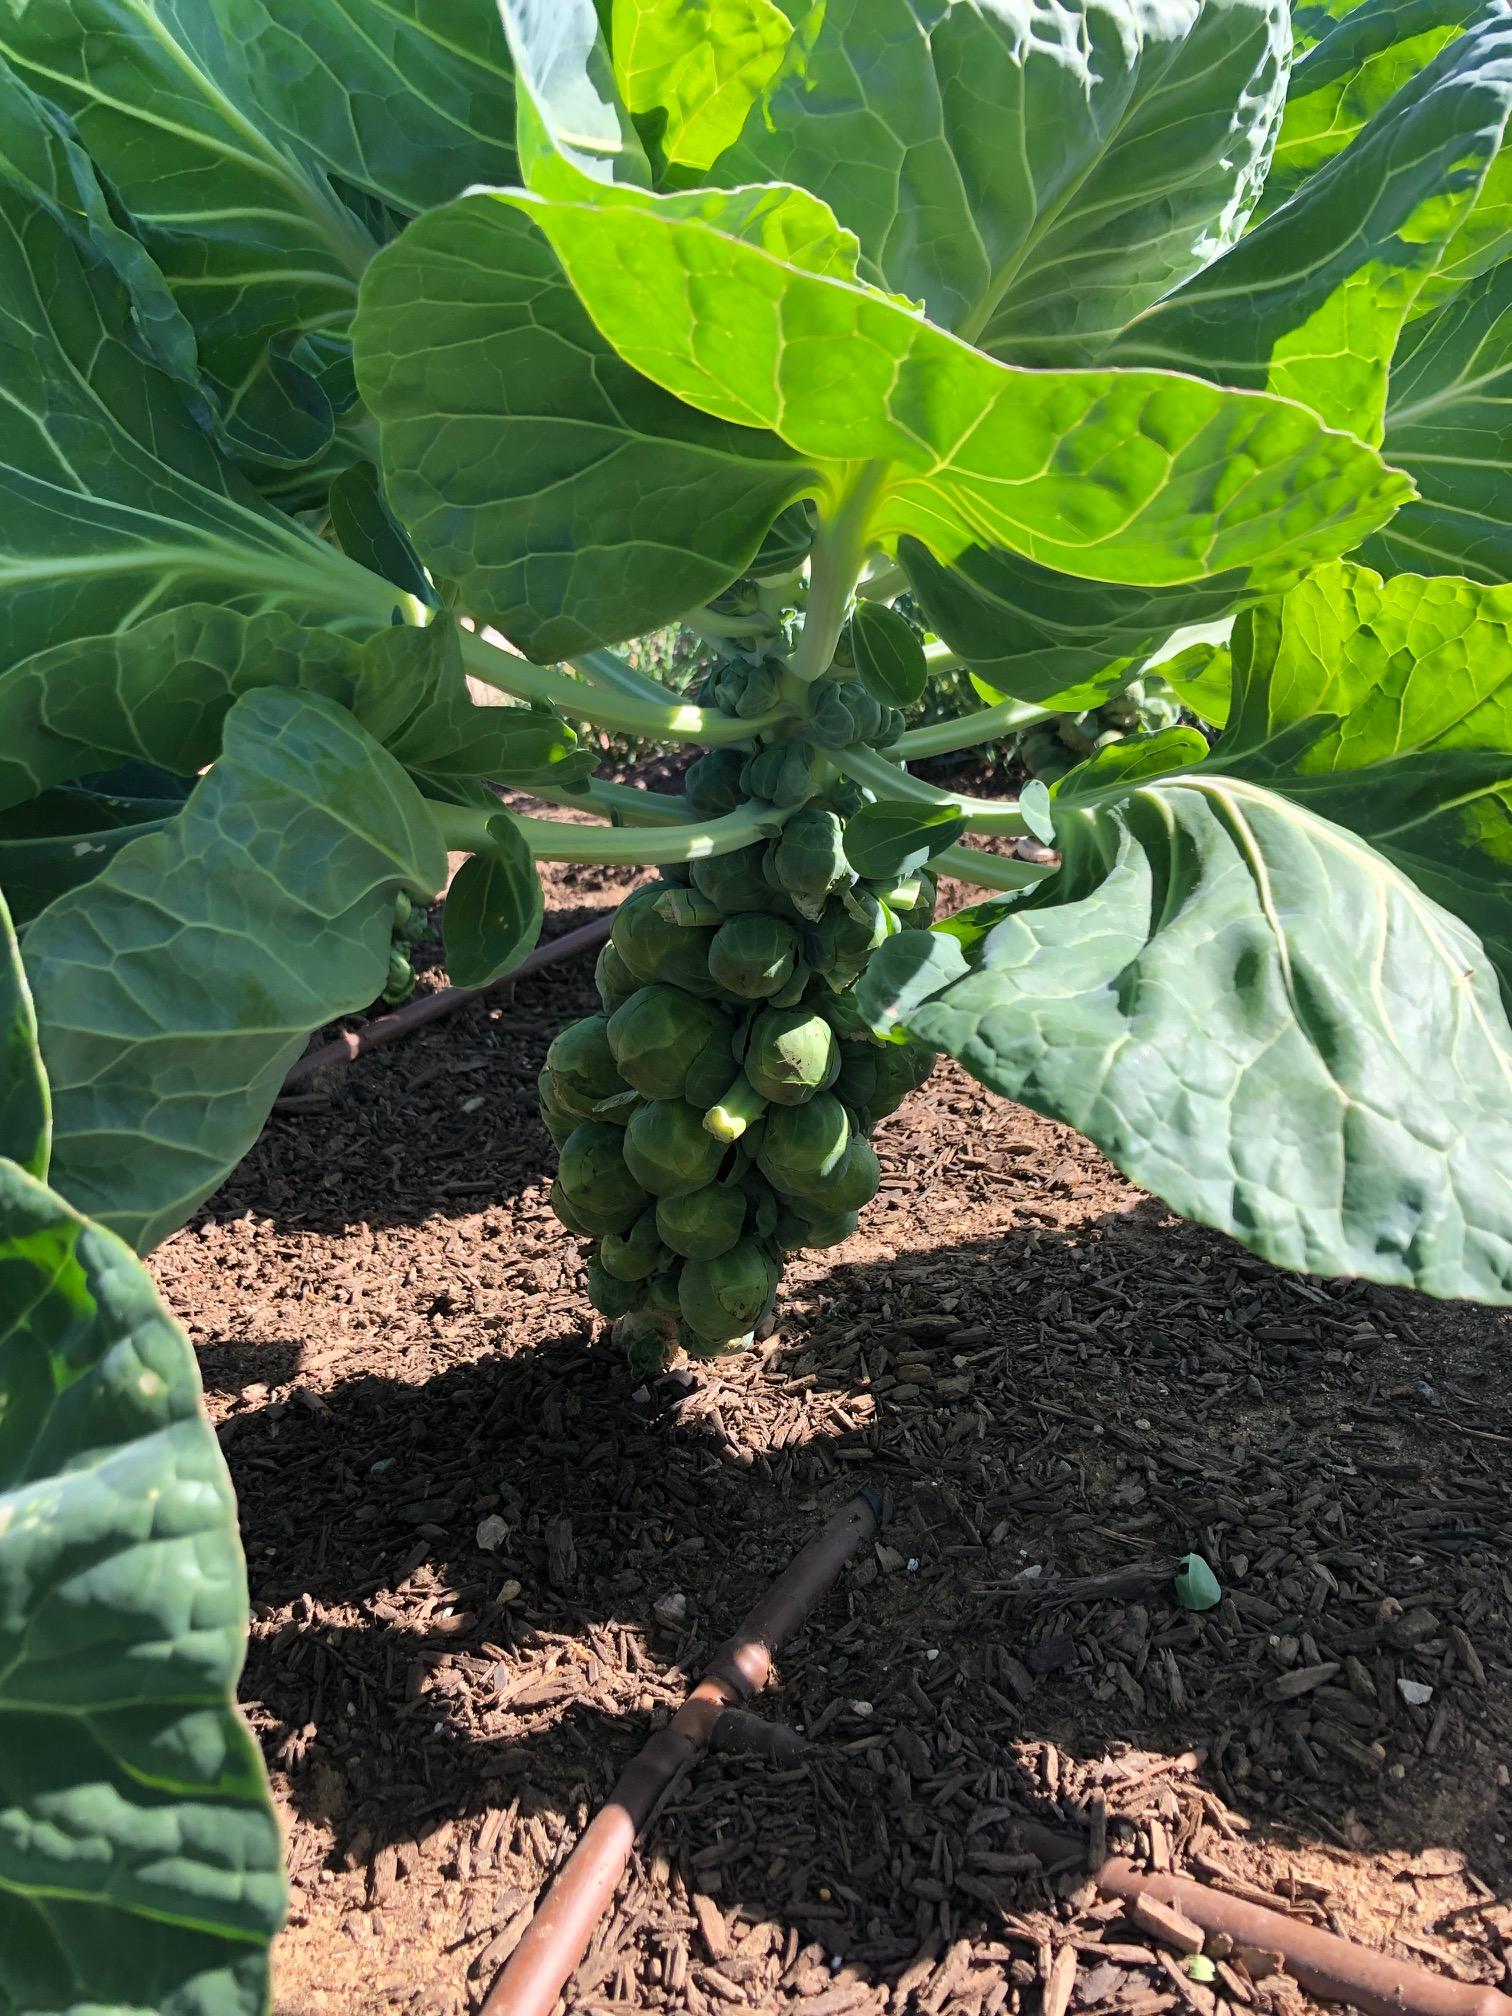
x: 1328, y: 1966
x: 558, y: 1935
x: 430, y: 1007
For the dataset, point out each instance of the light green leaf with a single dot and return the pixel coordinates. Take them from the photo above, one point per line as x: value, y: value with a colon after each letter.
x: 220, y: 123
x: 1029, y: 633
x: 703, y: 64
x: 1139, y: 139
x: 494, y: 909
x: 1449, y: 425
x: 893, y: 837
x: 176, y: 988
x: 1387, y: 707
x: 1132, y: 761
x: 572, y: 501
x: 25, y: 1105
x: 568, y: 104
x: 1252, y: 982
x: 113, y: 502
x: 1311, y: 304
x: 1202, y: 677
x: 1109, y: 474
x: 1350, y: 61
x: 140, y: 1860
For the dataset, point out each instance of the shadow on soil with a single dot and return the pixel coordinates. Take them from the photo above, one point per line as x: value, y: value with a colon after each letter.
x: 1036, y: 1409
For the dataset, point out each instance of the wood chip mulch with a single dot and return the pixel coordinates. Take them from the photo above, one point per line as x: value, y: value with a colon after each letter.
x: 483, y: 1567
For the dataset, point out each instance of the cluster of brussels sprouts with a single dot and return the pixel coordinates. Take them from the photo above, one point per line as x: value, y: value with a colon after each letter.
x: 1050, y: 749
x: 713, y: 1118
x: 409, y: 927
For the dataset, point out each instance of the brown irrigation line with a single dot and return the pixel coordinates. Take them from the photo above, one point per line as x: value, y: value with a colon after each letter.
x: 558, y: 1935
x: 1334, y: 1969
x: 430, y: 1007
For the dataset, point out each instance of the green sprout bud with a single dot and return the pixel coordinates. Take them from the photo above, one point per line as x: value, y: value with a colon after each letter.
x: 791, y: 1054
x: 582, y: 1067
x: 633, y: 1255
x: 920, y: 914
x: 399, y: 982
x: 686, y: 906
x: 596, y: 1179
x: 875, y: 1079
x: 753, y: 956
x: 661, y: 1290
x: 726, y: 1298
x: 843, y: 1014
x: 793, y: 1234
x: 712, y: 783
x: 662, y: 1036
x: 854, y: 1181
x: 703, y: 1224
x: 845, y: 937
x: 612, y: 1297
x: 807, y: 859
x: 802, y: 1144
x: 831, y: 723
x: 647, y: 1340
x: 667, y: 1149
x: 613, y: 979
x: 736, y: 882
x: 655, y: 950
x: 573, y: 1219
x: 558, y: 1121
x: 783, y: 773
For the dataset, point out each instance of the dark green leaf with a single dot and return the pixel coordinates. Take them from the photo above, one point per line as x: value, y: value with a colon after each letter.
x: 139, y: 1858
x: 894, y: 837
x: 370, y: 534
x: 25, y: 1106
x: 889, y: 655
x: 494, y: 910
x: 64, y: 838
x: 176, y: 988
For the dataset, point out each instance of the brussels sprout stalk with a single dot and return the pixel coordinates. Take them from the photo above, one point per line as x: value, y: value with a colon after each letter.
x: 839, y: 554
x: 741, y: 1106
x: 466, y: 831
x: 890, y: 780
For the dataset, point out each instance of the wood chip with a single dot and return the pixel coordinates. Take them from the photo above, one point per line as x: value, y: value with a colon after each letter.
x: 1164, y: 1922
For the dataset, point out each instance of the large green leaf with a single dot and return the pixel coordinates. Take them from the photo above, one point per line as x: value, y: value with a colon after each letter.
x: 1350, y: 61
x: 140, y: 1860
x: 175, y: 989
x: 64, y: 838
x: 1133, y: 476
x: 1139, y: 137
x: 25, y: 1105
x: 1252, y: 983
x: 572, y: 501
x: 1310, y: 305
x: 220, y: 122
x: 113, y: 501
x: 1449, y: 425
x: 701, y: 64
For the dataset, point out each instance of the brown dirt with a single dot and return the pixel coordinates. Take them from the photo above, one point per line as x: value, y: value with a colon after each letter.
x: 464, y: 1530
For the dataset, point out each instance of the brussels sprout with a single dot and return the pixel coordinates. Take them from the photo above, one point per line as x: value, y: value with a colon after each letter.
x: 807, y: 859
x: 890, y: 727
x: 852, y: 1182
x: 632, y: 1255
x: 703, y: 1224
x: 843, y: 1014
x: 791, y: 1054
x: 667, y: 1149
x: 802, y: 1144
x: 831, y: 723
x: 793, y: 1233
x: 558, y: 1121
x: 877, y: 1078
x: 613, y: 979
x: 647, y: 1339
x: 753, y: 955
x: 783, y: 772
x: 726, y: 1298
x: 582, y: 1067
x: 612, y: 1297
x: 661, y: 1290
x: 736, y: 883
x: 662, y: 1035
x: 687, y: 906
x: 846, y: 936
x: 399, y: 981
x: 712, y: 783
x: 744, y: 690
x: 574, y: 1220
x: 596, y: 1179
x: 761, y: 1205
x: 865, y: 712
x: 654, y: 950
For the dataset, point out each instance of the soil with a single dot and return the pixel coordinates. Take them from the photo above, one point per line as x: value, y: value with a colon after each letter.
x: 484, y: 1566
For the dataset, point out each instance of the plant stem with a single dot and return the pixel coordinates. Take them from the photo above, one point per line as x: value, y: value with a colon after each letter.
x: 987, y: 724
x: 621, y: 801
x: 837, y: 559
x: 712, y: 626
x: 881, y: 586
x: 466, y: 831
x: 988, y: 871
x: 579, y: 701
x: 610, y: 672
x: 891, y: 780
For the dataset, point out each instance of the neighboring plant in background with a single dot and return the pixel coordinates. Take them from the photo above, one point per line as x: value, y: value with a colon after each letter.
x: 1053, y: 748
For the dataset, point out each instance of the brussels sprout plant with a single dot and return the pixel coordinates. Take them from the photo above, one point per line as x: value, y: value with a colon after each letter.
x: 350, y: 354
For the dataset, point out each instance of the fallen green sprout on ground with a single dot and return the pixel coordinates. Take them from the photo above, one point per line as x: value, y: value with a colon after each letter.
x: 349, y: 354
